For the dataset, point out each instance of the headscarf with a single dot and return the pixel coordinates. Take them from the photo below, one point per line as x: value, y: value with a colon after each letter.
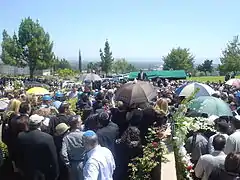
x: 161, y: 106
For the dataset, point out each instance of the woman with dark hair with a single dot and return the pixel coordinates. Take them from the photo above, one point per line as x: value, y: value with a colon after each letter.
x: 231, y: 169
x: 127, y: 147
x: 98, y: 104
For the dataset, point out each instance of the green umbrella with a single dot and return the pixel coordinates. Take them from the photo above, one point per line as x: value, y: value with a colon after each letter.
x: 211, y: 106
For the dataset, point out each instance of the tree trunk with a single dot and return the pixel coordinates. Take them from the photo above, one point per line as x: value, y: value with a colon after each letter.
x: 31, y: 70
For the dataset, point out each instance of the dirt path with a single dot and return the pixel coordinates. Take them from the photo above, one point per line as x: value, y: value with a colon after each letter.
x: 168, y: 169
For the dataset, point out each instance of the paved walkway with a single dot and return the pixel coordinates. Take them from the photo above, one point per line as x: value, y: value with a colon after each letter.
x: 168, y: 169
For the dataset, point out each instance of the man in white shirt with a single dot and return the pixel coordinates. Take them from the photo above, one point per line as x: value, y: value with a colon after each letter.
x: 98, y: 163
x: 233, y: 141
x: 222, y: 129
x: 73, y: 93
x: 208, y: 162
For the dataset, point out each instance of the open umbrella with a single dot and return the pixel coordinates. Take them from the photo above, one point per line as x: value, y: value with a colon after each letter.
x: 210, y: 105
x: 233, y: 82
x: 136, y: 92
x: 188, y: 89
x: 92, y: 77
x: 38, y: 91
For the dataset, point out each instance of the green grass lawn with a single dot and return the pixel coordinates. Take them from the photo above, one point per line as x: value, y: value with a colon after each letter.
x: 208, y: 78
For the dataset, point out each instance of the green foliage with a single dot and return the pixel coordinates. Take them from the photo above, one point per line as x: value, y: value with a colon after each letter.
x: 17, y: 85
x: 206, y: 66
x: 94, y: 67
x: 64, y: 73
x: 106, y: 58
x: 4, y: 149
x: 153, y: 155
x: 121, y: 66
x: 231, y: 56
x: 179, y: 137
x: 72, y: 103
x: 178, y: 59
x: 183, y: 125
x: 131, y: 68
x: 32, y: 47
x: 61, y: 64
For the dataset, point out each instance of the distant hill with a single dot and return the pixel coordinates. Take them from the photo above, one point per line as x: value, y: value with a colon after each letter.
x: 138, y: 64
x: 142, y: 63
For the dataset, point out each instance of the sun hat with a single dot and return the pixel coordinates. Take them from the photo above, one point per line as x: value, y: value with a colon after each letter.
x: 89, y: 133
x: 35, y: 119
x: 59, y: 94
x: 47, y: 98
x: 61, y: 129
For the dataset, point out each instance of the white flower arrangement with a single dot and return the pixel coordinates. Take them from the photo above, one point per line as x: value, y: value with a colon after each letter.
x: 184, y: 126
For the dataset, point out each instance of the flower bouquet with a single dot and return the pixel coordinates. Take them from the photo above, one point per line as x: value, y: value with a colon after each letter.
x: 153, y: 154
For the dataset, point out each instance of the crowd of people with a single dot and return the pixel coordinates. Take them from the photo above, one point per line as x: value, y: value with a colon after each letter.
x: 46, y: 140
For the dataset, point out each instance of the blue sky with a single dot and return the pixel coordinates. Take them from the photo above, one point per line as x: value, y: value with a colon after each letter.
x: 134, y: 28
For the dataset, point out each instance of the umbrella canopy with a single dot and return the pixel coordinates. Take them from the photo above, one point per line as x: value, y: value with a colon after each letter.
x: 178, y: 90
x: 3, y: 103
x: 38, y: 91
x: 189, y: 89
x: 92, y: 77
x: 136, y: 92
x: 211, y: 106
x: 234, y: 82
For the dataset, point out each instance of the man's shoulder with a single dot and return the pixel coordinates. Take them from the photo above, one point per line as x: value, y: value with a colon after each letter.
x: 22, y: 135
x: 104, y: 150
x: 206, y: 157
x: 211, y: 137
x: 73, y: 134
x: 236, y: 133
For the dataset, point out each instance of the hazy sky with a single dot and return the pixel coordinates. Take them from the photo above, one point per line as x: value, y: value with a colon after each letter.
x: 134, y: 28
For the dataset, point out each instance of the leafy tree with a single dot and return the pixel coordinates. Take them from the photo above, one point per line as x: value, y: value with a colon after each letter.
x: 206, y: 66
x: 106, y: 58
x: 131, y: 68
x: 221, y: 69
x: 66, y: 73
x: 32, y: 47
x: 231, y: 56
x: 178, y: 59
x: 62, y: 64
x: 94, y: 67
x: 90, y: 67
x: 122, y: 66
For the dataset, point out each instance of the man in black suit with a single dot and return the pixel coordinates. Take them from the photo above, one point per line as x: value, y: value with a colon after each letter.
x: 37, y: 155
x: 142, y: 76
x: 108, y: 131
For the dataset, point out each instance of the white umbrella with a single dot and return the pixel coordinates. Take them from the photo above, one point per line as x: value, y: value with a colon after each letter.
x: 188, y: 89
x: 233, y: 82
x: 92, y: 77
